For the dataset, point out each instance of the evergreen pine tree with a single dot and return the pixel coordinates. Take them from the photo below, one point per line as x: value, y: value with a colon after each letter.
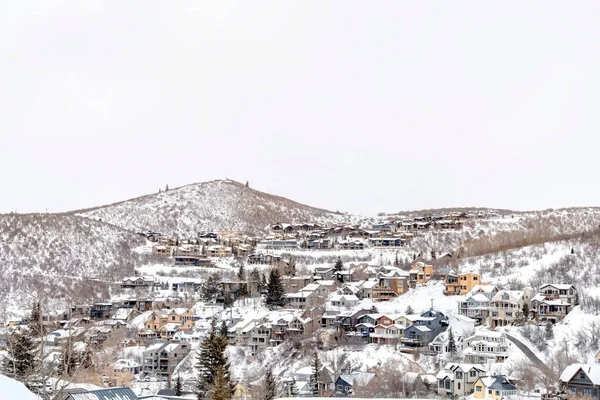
x: 20, y: 360
x: 270, y: 385
x: 241, y: 273
x: 263, y: 282
x: 339, y: 265
x: 572, y: 250
x: 275, y: 291
x: 576, y: 299
x: 451, y: 345
x: 178, y: 387
x: 549, y: 330
x: 409, y: 310
x: 36, y: 327
x: 294, y: 391
x: 223, y: 329
x: 220, y: 389
x: 525, y: 311
x: 315, y: 377
x: 211, y: 357
x: 210, y: 288
x: 396, y: 261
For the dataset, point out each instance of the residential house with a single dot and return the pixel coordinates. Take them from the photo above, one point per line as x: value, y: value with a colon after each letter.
x: 342, y: 301
x: 417, y: 336
x: 275, y: 244
x: 475, y: 306
x: 389, y: 286
x: 386, y: 242
x: 386, y: 334
x: 507, y: 306
x: 494, y: 388
x: 439, y: 345
x: 263, y: 259
x: 458, y: 380
x: 326, y: 380
x: 581, y: 380
x: 301, y: 300
x: 460, y: 284
x: 366, y: 288
x: 420, y: 273
x: 101, y: 310
x: 553, y: 302
x: 137, y: 282
x: 120, y: 393
x: 486, y: 347
x: 351, y: 245
x: 197, y: 260
x: 161, y: 359
x: 219, y: 251
x: 344, y: 385
x: 156, y: 320
x: 126, y: 365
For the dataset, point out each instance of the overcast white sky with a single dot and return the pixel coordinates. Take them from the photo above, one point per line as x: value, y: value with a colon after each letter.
x: 351, y: 106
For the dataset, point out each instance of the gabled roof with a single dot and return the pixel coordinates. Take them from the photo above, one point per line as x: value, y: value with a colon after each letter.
x: 591, y: 371
x: 105, y: 394
x: 497, y: 383
x: 559, y: 286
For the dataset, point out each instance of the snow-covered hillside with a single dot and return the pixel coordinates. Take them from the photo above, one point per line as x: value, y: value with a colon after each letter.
x: 211, y: 206
x: 48, y: 256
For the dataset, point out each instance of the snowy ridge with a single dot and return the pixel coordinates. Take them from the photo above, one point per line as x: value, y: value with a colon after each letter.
x: 54, y: 257
x: 211, y: 206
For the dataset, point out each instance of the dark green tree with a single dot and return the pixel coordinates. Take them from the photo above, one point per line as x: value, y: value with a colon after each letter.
x: 525, y: 311
x: 36, y: 327
x: 576, y: 299
x: 270, y: 385
x: 409, y: 310
x: 315, y: 379
x: 549, y: 330
x: 211, y: 357
x: 275, y: 291
x: 223, y: 329
x: 178, y: 387
x: 20, y: 361
x: 210, y: 287
x: 241, y: 273
x: 339, y: 265
x: 220, y: 389
x: 451, y: 345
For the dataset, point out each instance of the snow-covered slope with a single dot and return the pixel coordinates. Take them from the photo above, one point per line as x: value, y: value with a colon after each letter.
x: 210, y: 206
x: 48, y: 256
x: 11, y: 389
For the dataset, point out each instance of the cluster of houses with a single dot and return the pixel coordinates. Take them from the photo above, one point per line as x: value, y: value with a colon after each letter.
x: 489, y: 305
x: 393, y: 232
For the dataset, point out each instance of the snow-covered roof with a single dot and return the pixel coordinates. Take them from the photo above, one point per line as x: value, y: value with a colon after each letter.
x: 559, y: 286
x: 591, y: 371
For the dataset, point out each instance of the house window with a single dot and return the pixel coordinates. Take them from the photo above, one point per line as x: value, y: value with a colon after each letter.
x: 458, y: 385
x: 472, y: 374
x: 581, y: 375
x: 340, y: 387
x: 478, y: 389
x: 587, y: 392
x: 573, y: 389
x: 459, y: 375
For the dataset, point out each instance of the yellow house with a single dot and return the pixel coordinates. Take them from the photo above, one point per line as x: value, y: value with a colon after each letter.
x: 460, y: 284
x: 156, y: 320
x: 420, y: 273
x: 494, y: 387
x: 468, y: 281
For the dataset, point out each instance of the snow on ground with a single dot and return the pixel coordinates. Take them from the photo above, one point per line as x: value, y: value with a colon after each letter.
x: 420, y: 299
x: 11, y: 389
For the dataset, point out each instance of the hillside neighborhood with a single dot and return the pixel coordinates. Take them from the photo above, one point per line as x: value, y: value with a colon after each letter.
x: 262, y: 295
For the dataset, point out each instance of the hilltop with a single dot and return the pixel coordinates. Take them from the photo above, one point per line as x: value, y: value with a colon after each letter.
x: 210, y: 206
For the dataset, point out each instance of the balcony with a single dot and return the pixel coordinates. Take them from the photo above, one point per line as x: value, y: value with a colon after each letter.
x: 386, y: 335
